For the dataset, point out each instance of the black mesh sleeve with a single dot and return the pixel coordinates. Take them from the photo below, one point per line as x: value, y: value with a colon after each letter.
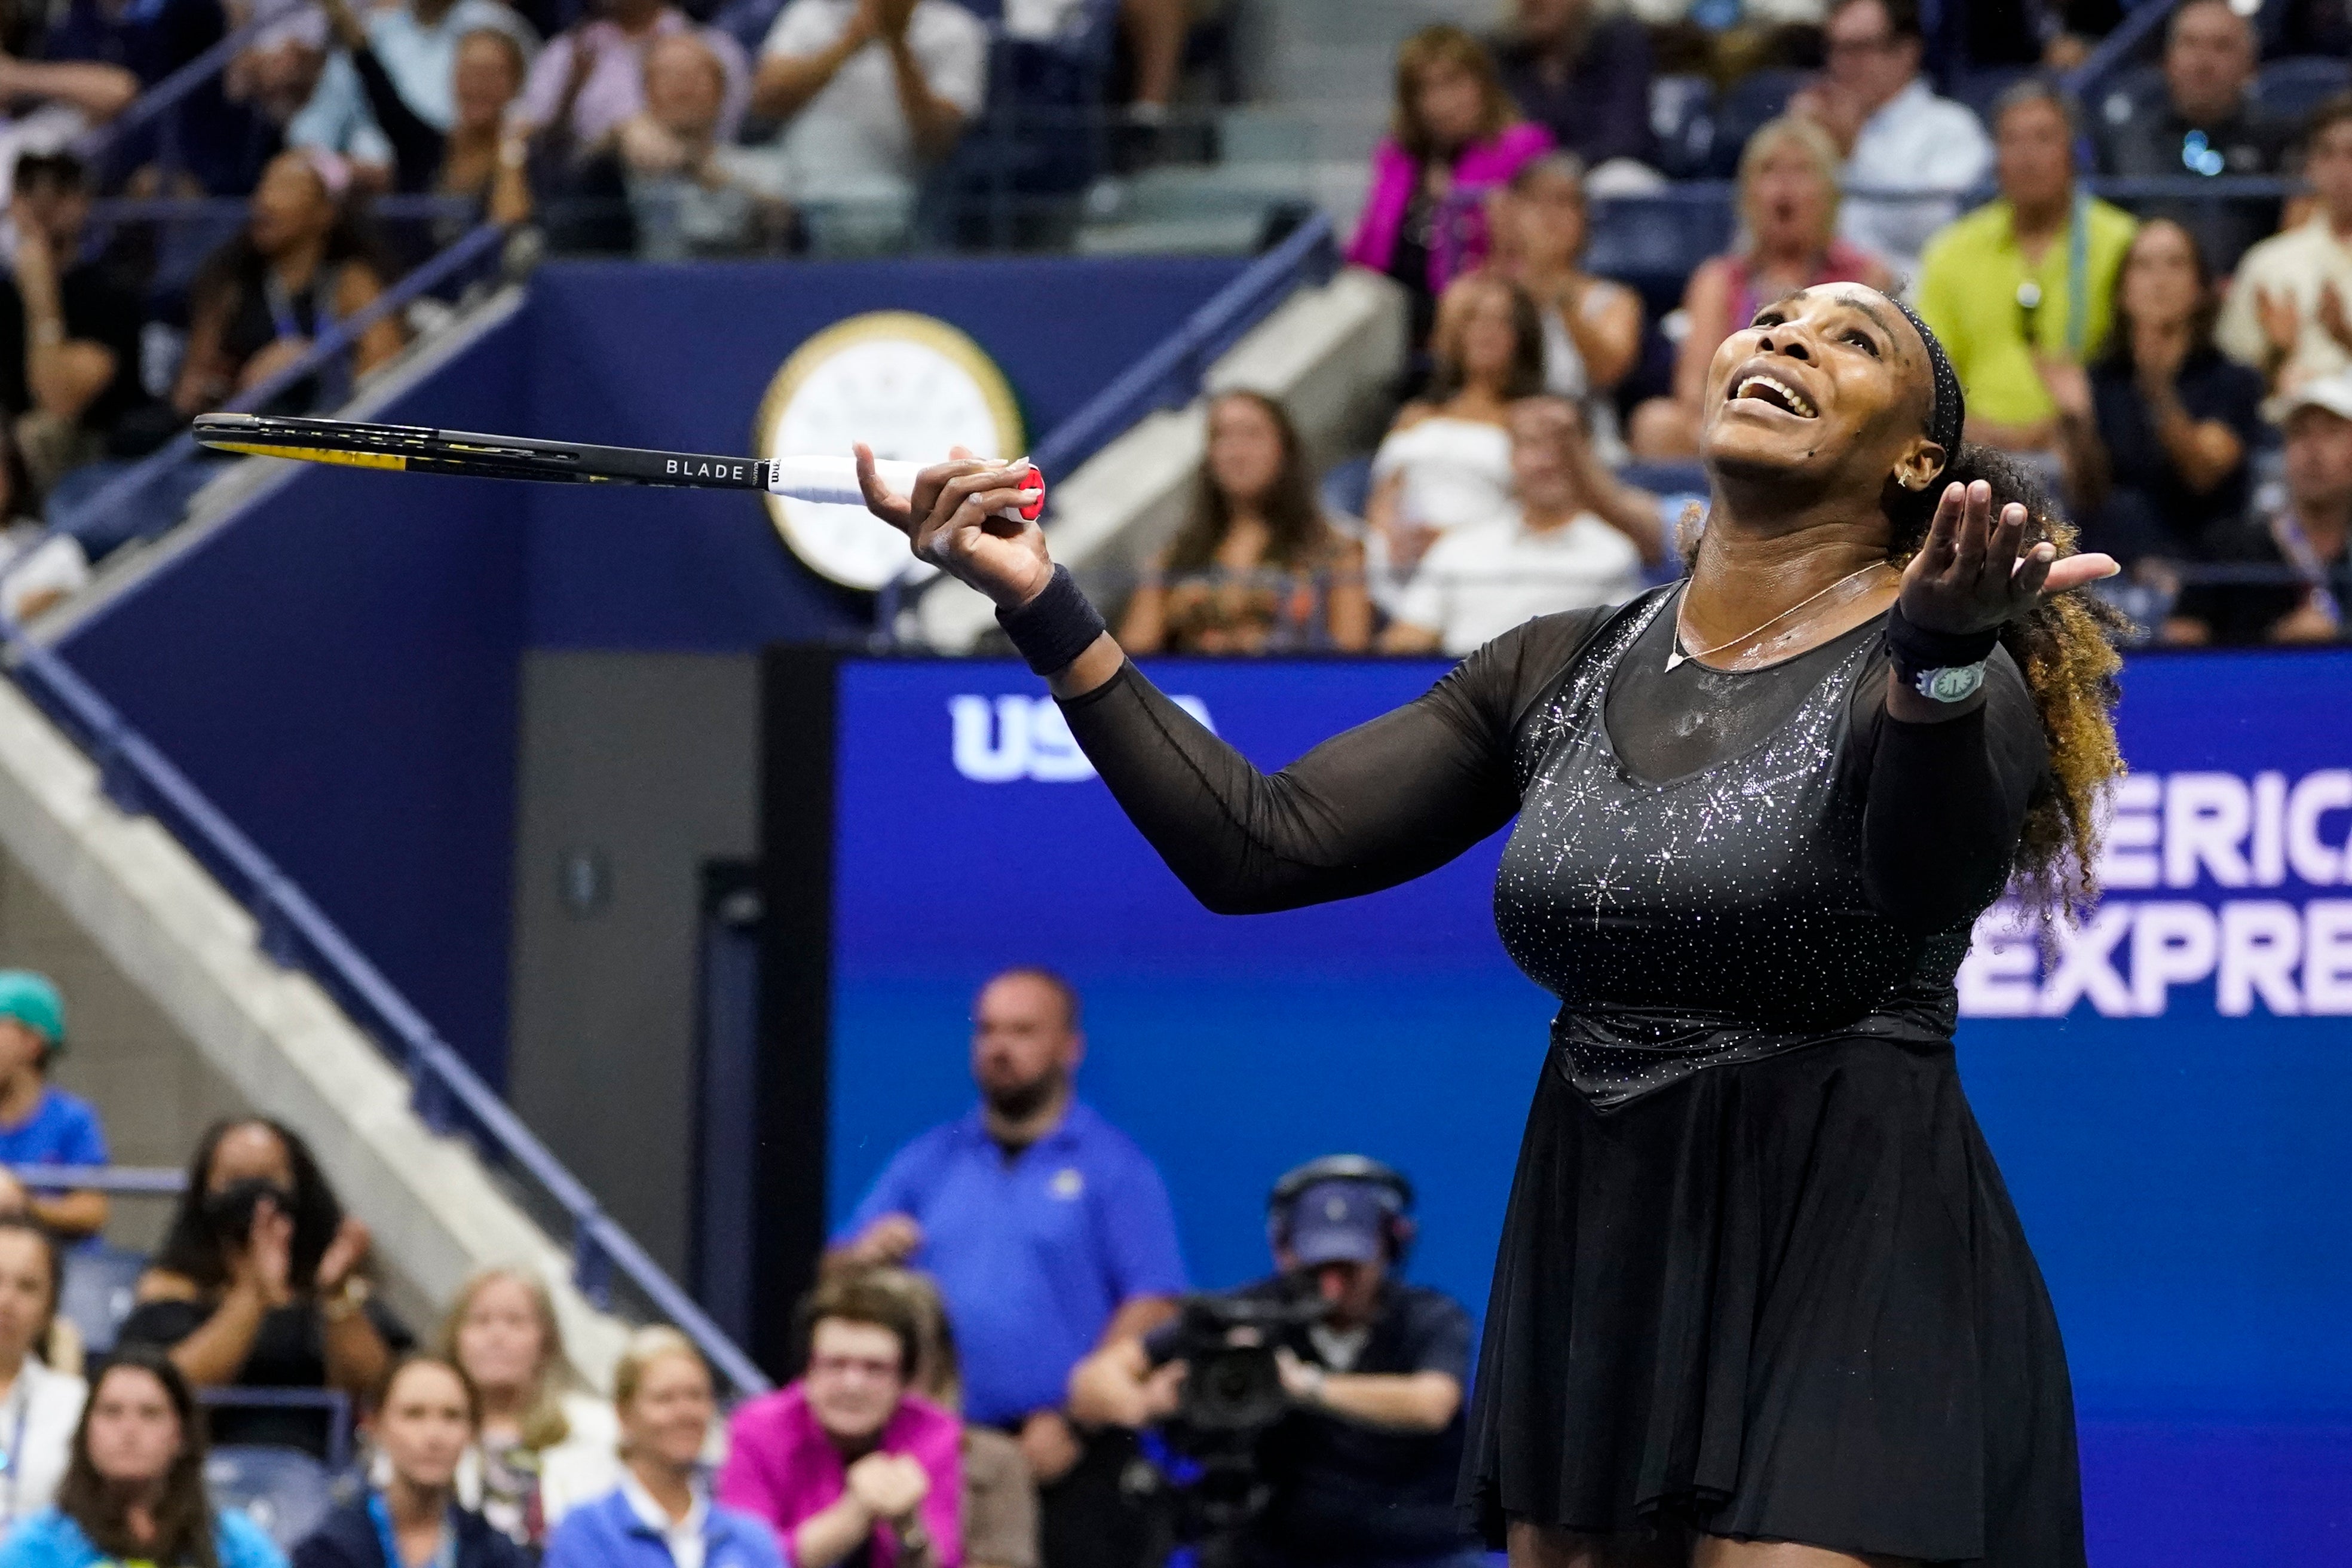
x: 1380, y: 804
x: 1947, y: 801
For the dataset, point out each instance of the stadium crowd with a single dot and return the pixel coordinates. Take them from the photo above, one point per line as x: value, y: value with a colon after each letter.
x: 2153, y: 357
x: 2177, y: 376
x: 992, y: 1355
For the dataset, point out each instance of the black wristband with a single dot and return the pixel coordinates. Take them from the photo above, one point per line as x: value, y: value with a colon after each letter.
x: 1915, y: 648
x: 1052, y: 629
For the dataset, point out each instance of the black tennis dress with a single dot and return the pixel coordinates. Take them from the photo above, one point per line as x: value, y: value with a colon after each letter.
x: 1759, y: 1276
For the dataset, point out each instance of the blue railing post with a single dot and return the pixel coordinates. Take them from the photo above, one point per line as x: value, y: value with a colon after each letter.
x: 592, y: 1266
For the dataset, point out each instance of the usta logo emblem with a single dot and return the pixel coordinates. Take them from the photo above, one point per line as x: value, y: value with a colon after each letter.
x: 1001, y: 740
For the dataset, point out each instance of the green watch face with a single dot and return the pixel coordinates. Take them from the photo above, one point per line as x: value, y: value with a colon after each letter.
x: 1955, y: 683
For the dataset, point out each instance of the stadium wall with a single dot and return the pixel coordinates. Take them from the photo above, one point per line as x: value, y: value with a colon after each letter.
x: 337, y: 662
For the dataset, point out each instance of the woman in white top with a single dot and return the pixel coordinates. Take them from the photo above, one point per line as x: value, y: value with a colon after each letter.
x: 39, y: 1407
x: 1591, y: 327
x: 1447, y: 458
x: 542, y: 1450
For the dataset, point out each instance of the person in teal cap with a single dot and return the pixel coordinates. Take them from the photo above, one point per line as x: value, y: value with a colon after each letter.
x: 41, y: 1124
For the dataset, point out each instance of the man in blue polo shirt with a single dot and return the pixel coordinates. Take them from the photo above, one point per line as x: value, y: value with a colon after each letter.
x: 1048, y: 1230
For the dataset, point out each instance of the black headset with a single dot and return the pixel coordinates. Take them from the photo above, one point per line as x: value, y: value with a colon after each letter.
x: 1396, y: 1198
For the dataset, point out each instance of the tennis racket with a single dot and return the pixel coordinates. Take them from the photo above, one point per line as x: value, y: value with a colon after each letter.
x: 416, y: 449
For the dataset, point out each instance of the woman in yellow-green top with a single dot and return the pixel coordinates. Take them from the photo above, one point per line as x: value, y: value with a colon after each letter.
x: 2030, y: 276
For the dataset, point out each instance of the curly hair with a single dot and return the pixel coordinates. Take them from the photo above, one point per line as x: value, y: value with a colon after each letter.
x: 2065, y: 648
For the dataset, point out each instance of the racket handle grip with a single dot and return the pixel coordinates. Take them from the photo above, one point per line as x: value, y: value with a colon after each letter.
x: 835, y: 480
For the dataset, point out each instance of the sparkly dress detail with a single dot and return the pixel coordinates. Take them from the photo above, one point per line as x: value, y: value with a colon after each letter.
x: 1719, y: 917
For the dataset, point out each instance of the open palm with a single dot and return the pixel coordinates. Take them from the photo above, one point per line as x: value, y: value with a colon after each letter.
x: 1973, y: 573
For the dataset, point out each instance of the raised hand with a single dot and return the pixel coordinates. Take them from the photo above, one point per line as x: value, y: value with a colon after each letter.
x: 2331, y: 315
x: 2281, y: 320
x: 956, y: 520
x: 1970, y: 576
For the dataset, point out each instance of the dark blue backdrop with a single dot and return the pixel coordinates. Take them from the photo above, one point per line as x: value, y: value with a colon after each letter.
x: 2182, y: 1172
x: 336, y: 665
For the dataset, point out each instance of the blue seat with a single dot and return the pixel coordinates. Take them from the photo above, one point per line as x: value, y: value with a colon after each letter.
x: 1015, y: 177
x: 1682, y: 117
x: 1982, y: 86
x: 2292, y: 88
x: 284, y: 1490
x: 1347, y: 486
x: 98, y: 1292
x: 1652, y: 244
x: 1747, y: 105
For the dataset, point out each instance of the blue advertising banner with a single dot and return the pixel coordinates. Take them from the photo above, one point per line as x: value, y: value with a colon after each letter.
x: 2166, y: 1084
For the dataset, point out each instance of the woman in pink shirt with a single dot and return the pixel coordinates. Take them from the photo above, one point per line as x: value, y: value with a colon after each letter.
x: 1454, y: 139
x: 846, y: 1460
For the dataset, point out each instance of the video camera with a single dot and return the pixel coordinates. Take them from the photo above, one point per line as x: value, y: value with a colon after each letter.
x: 1232, y: 1396
x: 1232, y: 1383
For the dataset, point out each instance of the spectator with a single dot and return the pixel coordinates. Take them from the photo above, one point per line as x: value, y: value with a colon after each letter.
x: 541, y: 1451
x: 1789, y: 215
x: 2028, y: 278
x: 414, y: 50
x: 686, y: 197
x: 2306, y: 539
x: 50, y: 103
x: 39, y: 1407
x: 662, y: 1515
x: 473, y: 152
x: 1257, y: 567
x: 133, y: 1491
x: 2200, y: 122
x: 38, y: 568
x: 1049, y: 1232
x: 1453, y: 138
x: 260, y: 1283
x: 1591, y: 327
x: 2286, y: 314
x: 427, y: 1418
x: 1446, y: 459
x: 260, y: 299
x: 1363, y: 1470
x: 871, y: 93
x: 998, y: 1510
x: 591, y: 78
x: 68, y: 327
x: 849, y: 1463
x: 2156, y: 436
x: 41, y: 1124
x: 1576, y: 537
x: 1892, y: 129
x: 1583, y: 76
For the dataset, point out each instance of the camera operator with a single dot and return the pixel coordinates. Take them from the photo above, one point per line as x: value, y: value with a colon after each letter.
x: 1361, y: 1470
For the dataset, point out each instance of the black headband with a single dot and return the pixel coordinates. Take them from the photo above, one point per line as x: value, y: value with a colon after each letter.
x: 1948, y: 409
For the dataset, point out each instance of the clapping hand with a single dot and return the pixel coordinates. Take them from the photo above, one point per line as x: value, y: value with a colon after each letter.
x: 2281, y: 320
x: 265, y: 1264
x: 888, y: 1486
x: 956, y: 520
x: 2331, y: 315
x: 1972, y: 574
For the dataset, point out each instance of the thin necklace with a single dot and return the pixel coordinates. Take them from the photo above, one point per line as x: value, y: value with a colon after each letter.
x: 1674, y: 654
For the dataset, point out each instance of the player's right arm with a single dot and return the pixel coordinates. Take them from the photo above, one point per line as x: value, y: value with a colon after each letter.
x: 1378, y: 805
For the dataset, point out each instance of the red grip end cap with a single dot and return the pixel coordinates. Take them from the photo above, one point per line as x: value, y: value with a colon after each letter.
x: 1030, y: 513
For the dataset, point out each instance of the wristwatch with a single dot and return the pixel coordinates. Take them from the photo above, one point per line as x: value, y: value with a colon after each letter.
x: 1950, y: 683
x: 345, y: 1301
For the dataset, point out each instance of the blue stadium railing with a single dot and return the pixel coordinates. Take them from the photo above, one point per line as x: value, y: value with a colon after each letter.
x: 294, y: 932
x: 1170, y: 376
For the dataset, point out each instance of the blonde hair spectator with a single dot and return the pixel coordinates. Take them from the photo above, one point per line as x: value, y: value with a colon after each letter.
x: 544, y: 1447
x: 1789, y: 196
